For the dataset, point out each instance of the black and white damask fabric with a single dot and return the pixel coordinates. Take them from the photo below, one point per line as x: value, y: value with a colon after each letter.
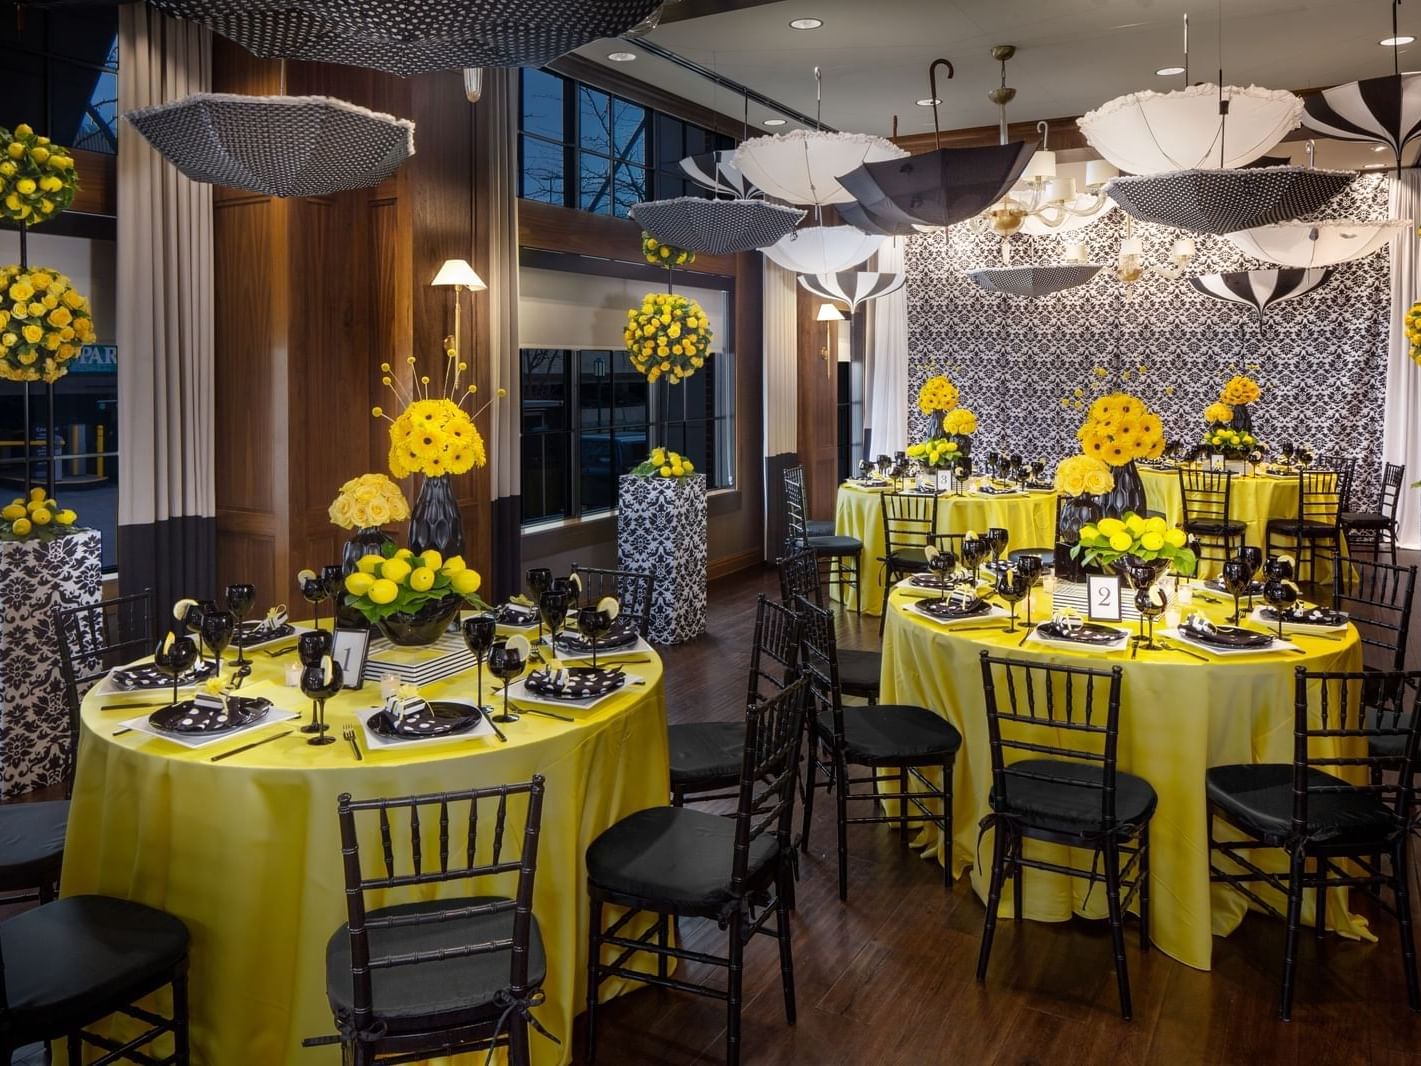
x: 1386, y: 110
x: 1322, y: 365
x: 1032, y: 280
x: 1223, y: 201
x: 662, y: 530
x: 36, y: 577
x: 277, y: 145
x: 405, y: 38
x: 716, y: 227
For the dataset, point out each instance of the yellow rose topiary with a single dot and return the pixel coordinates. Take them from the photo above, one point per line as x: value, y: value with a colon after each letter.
x: 38, y: 179
x: 668, y: 336
x: 42, y: 336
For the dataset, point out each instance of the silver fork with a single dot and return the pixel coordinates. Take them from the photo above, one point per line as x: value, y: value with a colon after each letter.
x: 349, y: 733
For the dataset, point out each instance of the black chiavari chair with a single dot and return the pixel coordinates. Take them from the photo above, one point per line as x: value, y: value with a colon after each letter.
x: 633, y: 590
x: 1376, y: 530
x: 860, y: 669
x: 909, y: 522
x: 1207, y: 499
x: 841, y: 553
x: 815, y: 527
x: 1319, y: 511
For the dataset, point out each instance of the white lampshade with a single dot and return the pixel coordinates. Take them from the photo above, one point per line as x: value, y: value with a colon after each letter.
x: 829, y: 313
x: 1042, y: 166
x: 1184, y: 248
x: 1132, y: 246
x: 459, y: 272
x: 1098, y: 172
x: 1061, y: 190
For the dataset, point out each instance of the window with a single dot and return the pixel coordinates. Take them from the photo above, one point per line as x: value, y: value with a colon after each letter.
x: 585, y: 148
x: 588, y: 417
x: 61, y: 75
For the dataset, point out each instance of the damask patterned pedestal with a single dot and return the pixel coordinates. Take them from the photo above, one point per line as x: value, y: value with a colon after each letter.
x: 36, y: 577
x: 661, y: 530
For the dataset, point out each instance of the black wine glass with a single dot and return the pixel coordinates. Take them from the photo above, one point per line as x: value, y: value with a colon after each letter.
x: 1253, y: 556
x: 319, y: 687
x: 1279, y: 566
x: 311, y: 647
x: 1030, y: 567
x: 175, y: 657
x: 333, y: 581
x: 505, y: 663
x: 997, y: 538
x: 1038, y: 470
x: 569, y: 588
x: 217, y: 630
x: 313, y: 591
x: 552, y: 612
x: 1150, y: 602
x: 479, y: 634
x: 240, y: 599
x: 1287, y: 449
x: 960, y: 474
x: 864, y: 467
x: 974, y: 550
x: 943, y: 562
x: 594, y: 624
x: 1236, y: 577
x: 1013, y: 587
x: 538, y: 578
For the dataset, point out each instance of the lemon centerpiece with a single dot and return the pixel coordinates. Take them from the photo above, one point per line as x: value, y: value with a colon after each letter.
x: 662, y: 462
x: 1138, y: 540
x: 412, y: 598
x: 36, y: 517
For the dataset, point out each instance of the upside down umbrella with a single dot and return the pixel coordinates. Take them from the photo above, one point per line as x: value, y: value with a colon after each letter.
x: 1317, y: 244
x: 823, y: 249
x: 1261, y: 289
x: 855, y: 214
x: 1032, y: 280
x: 1384, y: 110
x: 803, y: 166
x: 853, y: 287
x: 717, y: 172
x: 1225, y: 201
x: 277, y: 145
x: 716, y: 227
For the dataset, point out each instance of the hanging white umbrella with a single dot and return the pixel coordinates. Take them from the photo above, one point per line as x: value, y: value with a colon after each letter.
x: 1150, y: 132
x: 1032, y: 281
x: 1317, y: 244
x: 1225, y: 201
x: 717, y: 172
x: 804, y: 166
x: 824, y: 249
x: 716, y: 227
x: 853, y: 287
x: 1261, y: 289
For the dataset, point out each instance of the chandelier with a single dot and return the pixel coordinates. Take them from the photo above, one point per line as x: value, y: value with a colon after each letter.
x: 1131, y: 266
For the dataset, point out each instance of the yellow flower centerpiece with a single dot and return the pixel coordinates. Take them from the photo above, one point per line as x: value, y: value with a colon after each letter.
x: 368, y: 502
x: 411, y: 597
x: 1233, y: 443
x: 43, y: 323
x: 1412, y: 325
x: 36, y: 517
x: 665, y: 255
x: 1218, y: 414
x: 1119, y: 429
x: 668, y: 336
x: 663, y: 462
x: 1149, y: 541
x: 937, y: 396
x: 37, y: 178
x: 1082, y: 475
x: 940, y: 453
x: 1240, y: 390
x: 959, y: 422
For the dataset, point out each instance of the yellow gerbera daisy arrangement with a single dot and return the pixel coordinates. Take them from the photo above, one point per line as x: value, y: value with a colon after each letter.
x: 369, y: 501
x: 36, y: 517
x: 668, y: 336
x: 1119, y: 429
x: 43, y: 324
x: 665, y: 255
x: 434, y: 435
x: 662, y: 462
x: 1218, y: 414
x: 938, y: 395
x: 1082, y: 475
x: 37, y: 179
x: 1240, y: 389
x: 959, y: 422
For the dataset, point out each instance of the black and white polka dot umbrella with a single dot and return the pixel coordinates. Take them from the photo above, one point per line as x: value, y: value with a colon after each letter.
x: 717, y: 172
x: 1225, y: 201
x: 1385, y: 110
x: 404, y: 37
x: 1261, y: 289
x: 277, y: 145
x: 853, y: 287
x: 1032, y: 281
x: 716, y: 227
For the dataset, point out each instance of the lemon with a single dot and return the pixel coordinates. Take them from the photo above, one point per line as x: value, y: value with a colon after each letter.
x: 404, y: 553
x: 395, y: 570
x: 359, y: 583
x: 466, y: 582
x: 454, y: 564
x: 422, y: 579
x: 12, y: 512
x: 21, y: 527
x: 41, y: 517
x: 368, y: 564
x: 66, y: 517
x: 383, y: 591
x: 36, y: 494
x: 432, y: 558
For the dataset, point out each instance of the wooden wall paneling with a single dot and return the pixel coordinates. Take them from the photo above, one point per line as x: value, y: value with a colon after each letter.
x: 817, y: 415
x: 98, y: 186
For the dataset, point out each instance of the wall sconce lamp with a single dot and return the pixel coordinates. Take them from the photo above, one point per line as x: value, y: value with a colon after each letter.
x: 459, y: 274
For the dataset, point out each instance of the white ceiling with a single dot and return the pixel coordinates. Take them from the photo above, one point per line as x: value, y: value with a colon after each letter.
x: 1072, y: 55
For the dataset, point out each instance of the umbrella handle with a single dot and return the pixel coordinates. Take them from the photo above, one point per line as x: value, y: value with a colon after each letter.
x: 932, y: 91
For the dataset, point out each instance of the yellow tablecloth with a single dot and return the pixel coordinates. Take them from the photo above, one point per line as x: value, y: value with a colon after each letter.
x: 1255, y: 499
x: 246, y: 851
x: 1178, y: 717
x: 1030, y: 519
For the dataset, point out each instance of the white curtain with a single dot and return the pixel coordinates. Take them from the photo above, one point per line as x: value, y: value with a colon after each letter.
x: 886, y: 364
x: 1401, y: 441
x: 780, y: 394
x: 167, y: 504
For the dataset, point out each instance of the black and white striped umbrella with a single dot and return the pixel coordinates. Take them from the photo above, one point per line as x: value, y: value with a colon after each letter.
x: 938, y: 188
x: 716, y: 227
x: 853, y: 287
x: 1261, y: 289
x: 276, y: 145
x: 1385, y: 110
x: 406, y: 38
x: 1033, y: 281
x: 1225, y: 201
x: 717, y: 172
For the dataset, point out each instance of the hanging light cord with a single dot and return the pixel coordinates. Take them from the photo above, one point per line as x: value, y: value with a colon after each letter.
x: 1223, y: 103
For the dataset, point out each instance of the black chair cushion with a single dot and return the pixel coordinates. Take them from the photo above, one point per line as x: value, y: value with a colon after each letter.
x: 1309, y: 528
x: 432, y: 995
x: 706, y: 755
x: 1365, y: 520
x: 1390, y: 746
x: 1070, y: 804
x: 893, y: 734
x: 1259, y: 800
x: 836, y: 545
x: 1213, y: 526
x: 859, y: 672
x: 907, y: 560
x: 74, y: 961
x: 31, y: 842
x: 674, y: 855
x: 819, y: 527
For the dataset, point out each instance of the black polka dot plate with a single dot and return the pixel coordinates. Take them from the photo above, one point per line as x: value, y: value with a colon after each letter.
x: 438, y: 719
x: 575, y: 683
x: 189, y: 718
x: 148, y: 676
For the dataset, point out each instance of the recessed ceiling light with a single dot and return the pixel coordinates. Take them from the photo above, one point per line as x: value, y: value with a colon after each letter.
x: 1374, y: 166
x: 1396, y: 42
x: 931, y: 101
x: 621, y: 57
x: 774, y: 122
x: 805, y: 24
x: 1379, y: 148
x: 1169, y: 72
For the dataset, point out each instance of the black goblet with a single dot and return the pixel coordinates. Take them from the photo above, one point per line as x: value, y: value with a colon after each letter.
x: 1030, y: 567
x: 217, y: 630
x: 594, y: 624
x: 974, y: 550
x: 1013, y: 587
x: 174, y: 657
x: 1038, y: 468
x: 333, y: 581
x: 1236, y: 576
x: 1279, y: 594
x: 505, y: 663
x: 1253, y: 556
x: 313, y: 591
x: 1305, y: 456
x: 319, y: 686
x: 479, y: 634
x: 311, y: 647
x: 240, y: 599
x: 1279, y: 566
x: 942, y: 562
x: 552, y: 612
x: 570, y: 588
x: 997, y: 538
x: 538, y: 578
x: 1287, y: 449
x: 864, y: 467
x: 1150, y: 602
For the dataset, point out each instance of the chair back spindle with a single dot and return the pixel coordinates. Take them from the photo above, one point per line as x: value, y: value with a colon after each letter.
x: 773, y: 729
x: 774, y: 656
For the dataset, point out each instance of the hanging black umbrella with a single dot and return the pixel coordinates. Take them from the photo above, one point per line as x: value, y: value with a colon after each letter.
x: 1261, y: 289
x: 855, y: 214
x: 853, y: 287
x: 1032, y: 281
x: 1224, y: 201
x: 717, y: 172
x: 406, y: 38
x: 277, y: 145
x: 716, y: 227
x: 1385, y: 110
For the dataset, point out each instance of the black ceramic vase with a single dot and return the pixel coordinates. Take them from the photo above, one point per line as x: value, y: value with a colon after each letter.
x: 1076, y: 512
x: 1243, y: 419
x: 1128, y: 494
x: 366, y: 541
x: 434, y: 520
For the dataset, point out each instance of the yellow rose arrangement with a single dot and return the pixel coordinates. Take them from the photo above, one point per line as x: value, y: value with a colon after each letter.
x: 1240, y: 390
x: 43, y: 323
x: 397, y: 581
x: 663, y: 462
x: 1145, y: 538
x: 369, y: 501
x: 1218, y: 414
x: 37, y: 178
x: 1412, y: 324
x: 36, y: 517
x: 938, y: 453
x: 434, y: 435
x: 665, y: 255
x: 959, y: 422
x: 668, y: 336
x: 1083, y: 475
x: 1120, y: 428
x: 937, y: 395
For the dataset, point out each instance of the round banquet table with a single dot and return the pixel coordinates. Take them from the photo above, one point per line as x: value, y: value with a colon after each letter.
x: 1028, y: 517
x: 246, y: 850
x: 1178, y: 717
x: 1255, y: 499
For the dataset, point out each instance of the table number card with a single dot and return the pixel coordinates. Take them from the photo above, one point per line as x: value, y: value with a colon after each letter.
x: 1217, y: 461
x: 1103, y: 598
x: 944, y: 481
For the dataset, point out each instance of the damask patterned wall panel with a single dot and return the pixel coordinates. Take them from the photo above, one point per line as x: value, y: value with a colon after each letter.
x: 1028, y: 366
